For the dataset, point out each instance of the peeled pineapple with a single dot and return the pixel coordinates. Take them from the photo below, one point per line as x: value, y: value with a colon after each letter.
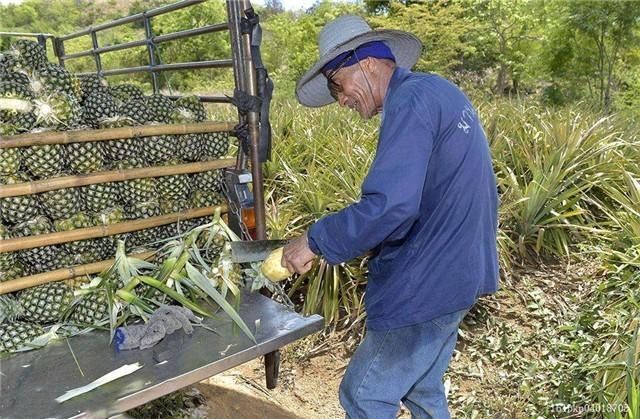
x: 272, y: 266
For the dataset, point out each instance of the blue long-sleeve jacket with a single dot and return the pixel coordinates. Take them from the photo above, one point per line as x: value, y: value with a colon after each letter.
x: 428, y: 208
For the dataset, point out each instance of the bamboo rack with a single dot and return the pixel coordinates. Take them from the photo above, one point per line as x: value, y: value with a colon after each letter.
x: 28, y: 188
x: 83, y: 136
x: 62, y: 274
x: 30, y: 242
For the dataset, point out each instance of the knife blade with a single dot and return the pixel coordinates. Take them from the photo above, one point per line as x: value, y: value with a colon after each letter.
x: 254, y: 250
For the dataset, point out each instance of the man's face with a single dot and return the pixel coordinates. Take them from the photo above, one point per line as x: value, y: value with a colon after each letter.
x: 350, y: 87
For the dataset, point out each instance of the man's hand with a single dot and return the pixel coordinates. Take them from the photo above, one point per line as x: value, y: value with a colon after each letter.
x: 297, y: 256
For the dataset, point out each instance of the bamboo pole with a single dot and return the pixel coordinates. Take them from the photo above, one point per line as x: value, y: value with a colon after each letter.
x: 28, y: 188
x: 21, y: 243
x: 83, y: 136
x: 62, y: 274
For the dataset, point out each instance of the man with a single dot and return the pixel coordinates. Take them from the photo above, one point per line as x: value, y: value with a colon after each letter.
x: 428, y: 214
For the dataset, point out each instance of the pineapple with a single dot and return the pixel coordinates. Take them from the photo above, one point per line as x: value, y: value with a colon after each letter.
x: 100, y: 197
x: 137, y: 110
x: 206, y: 199
x: 51, y: 78
x: 92, y: 83
x: 161, y: 108
x: 160, y: 149
x: 91, y: 309
x: 136, y: 190
x: 17, y: 209
x: 10, y: 160
x: 210, y: 180
x: 46, y: 303
x: 43, y: 161
x: 174, y: 205
x: 15, y: 77
x: 10, y: 268
x: 215, y: 144
x: 17, y: 334
x: 39, y: 259
x: 140, y: 211
x: 28, y: 54
x: 98, y: 107
x: 15, y: 99
x: 60, y: 203
x: 85, y: 251
x: 191, y: 147
x: 8, y: 62
x: 188, y: 109
x: 85, y: 157
x: 173, y: 187
x: 124, y: 93
x: 58, y: 110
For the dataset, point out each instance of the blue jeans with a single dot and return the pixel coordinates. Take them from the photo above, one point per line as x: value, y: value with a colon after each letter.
x: 405, y: 364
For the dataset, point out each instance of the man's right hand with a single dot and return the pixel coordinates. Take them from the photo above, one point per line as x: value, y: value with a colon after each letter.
x: 297, y: 256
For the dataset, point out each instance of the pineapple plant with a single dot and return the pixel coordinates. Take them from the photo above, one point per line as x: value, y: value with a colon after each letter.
x: 46, y: 303
x: 17, y: 209
x: 43, y: 161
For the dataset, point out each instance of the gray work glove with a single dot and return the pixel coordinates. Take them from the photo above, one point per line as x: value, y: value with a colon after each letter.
x: 164, y: 321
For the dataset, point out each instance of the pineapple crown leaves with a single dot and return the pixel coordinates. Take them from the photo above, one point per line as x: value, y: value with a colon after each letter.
x: 128, y: 267
x: 10, y: 309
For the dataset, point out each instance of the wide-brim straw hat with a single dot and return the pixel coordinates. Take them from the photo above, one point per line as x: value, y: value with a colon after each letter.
x: 345, y: 34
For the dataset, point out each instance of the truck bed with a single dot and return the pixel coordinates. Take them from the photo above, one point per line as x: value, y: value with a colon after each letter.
x: 30, y: 381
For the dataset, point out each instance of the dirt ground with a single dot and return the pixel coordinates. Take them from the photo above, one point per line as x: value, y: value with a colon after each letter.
x: 480, y: 379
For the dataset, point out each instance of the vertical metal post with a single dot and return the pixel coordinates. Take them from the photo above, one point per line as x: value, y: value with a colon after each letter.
x: 234, y: 15
x: 148, y: 33
x: 96, y: 55
x: 254, y: 132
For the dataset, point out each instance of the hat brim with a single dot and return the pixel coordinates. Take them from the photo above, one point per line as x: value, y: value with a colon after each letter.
x: 312, y: 90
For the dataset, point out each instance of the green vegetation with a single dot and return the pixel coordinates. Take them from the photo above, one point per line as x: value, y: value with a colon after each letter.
x: 557, y: 84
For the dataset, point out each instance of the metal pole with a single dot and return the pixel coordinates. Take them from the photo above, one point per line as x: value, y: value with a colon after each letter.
x: 254, y: 133
x: 272, y: 359
x: 152, y: 56
x: 96, y: 55
x: 234, y: 14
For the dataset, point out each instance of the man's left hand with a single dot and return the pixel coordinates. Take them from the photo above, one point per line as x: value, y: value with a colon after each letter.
x: 297, y: 256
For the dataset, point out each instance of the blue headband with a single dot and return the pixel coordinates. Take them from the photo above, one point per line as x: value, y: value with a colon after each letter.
x: 375, y: 49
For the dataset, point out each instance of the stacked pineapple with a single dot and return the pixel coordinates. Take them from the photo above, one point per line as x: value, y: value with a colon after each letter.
x: 36, y: 95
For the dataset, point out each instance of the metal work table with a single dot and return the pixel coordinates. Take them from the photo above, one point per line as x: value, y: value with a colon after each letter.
x: 30, y: 381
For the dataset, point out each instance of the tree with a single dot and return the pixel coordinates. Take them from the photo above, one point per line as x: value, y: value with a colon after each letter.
x: 606, y: 30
